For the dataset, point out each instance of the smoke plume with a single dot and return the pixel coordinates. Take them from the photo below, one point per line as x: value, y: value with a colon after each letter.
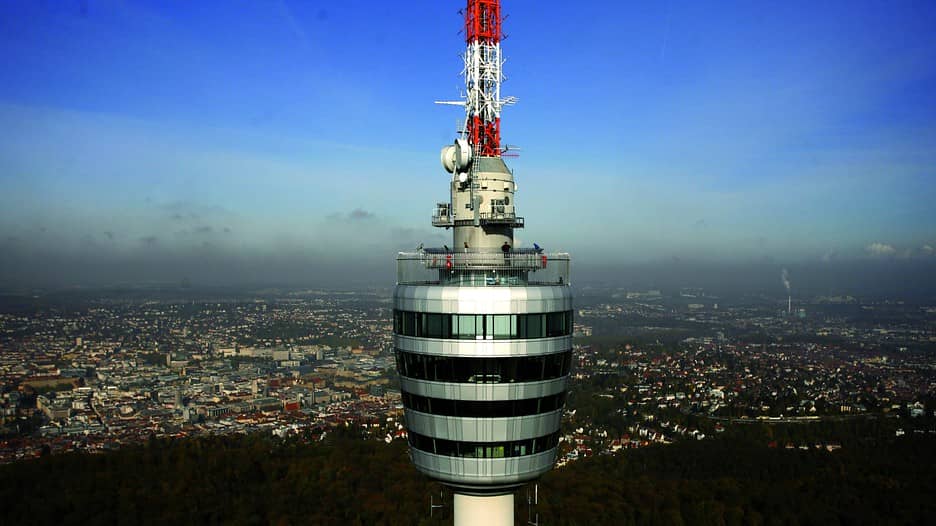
x: 785, y: 277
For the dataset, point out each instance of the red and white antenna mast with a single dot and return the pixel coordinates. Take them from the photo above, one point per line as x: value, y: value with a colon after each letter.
x: 483, y: 76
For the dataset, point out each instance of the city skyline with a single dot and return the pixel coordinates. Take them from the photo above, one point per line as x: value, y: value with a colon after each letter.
x: 154, y: 143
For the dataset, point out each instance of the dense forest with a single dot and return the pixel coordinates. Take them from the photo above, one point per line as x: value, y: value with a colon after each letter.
x: 345, y: 480
x: 725, y: 482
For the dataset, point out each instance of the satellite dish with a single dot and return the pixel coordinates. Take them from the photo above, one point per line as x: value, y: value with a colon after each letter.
x: 462, y: 177
x: 456, y: 157
x: 462, y: 154
x: 448, y: 158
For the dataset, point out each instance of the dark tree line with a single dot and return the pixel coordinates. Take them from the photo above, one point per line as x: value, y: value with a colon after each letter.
x: 220, y: 480
x: 728, y: 482
x: 345, y: 480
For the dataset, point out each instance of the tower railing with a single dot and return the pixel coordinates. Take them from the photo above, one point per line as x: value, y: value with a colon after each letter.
x: 441, y: 216
x: 522, y: 267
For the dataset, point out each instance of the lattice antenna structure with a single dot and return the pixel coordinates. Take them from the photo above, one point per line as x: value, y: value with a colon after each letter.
x: 483, y: 73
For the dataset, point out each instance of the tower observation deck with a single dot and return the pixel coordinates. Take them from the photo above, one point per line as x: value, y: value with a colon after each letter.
x: 482, y: 330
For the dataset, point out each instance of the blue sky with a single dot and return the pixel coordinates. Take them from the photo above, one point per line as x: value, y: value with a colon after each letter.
x: 199, y: 133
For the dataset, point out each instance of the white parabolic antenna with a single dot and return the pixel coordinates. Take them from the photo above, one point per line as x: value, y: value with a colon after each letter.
x: 462, y: 154
x: 456, y: 157
x: 448, y: 158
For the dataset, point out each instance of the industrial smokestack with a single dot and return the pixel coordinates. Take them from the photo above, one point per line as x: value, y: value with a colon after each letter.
x: 785, y: 277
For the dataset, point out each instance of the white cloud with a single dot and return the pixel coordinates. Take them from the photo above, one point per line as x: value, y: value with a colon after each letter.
x: 828, y: 256
x: 880, y: 249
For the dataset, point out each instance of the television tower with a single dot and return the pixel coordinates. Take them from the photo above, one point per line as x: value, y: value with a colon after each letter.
x: 482, y: 330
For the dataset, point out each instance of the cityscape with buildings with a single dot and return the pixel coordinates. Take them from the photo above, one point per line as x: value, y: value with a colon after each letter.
x: 96, y: 373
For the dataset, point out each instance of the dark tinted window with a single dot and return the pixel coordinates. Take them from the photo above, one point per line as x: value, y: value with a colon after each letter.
x: 483, y: 370
x: 483, y: 409
x: 454, y: 448
x: 482, y: 326
x: 555, y: 324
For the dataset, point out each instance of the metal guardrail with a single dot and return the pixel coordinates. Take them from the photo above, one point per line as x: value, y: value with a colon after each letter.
x: 471, y: 268
x: 442, y: 221
x: 501, y: 217
x: 442, y: 217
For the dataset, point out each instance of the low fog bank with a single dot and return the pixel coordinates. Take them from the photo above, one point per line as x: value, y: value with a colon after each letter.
x: 883, y: 278
x: 212, y: 269
x: 374, y: 267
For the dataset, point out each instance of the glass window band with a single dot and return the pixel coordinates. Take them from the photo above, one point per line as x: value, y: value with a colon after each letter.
x: 454, y: 448
x: 494, y: 370
x: 482, y: 326
x: 483, y: 409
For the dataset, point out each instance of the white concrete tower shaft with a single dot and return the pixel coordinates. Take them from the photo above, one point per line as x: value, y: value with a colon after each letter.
x: 489, y: 510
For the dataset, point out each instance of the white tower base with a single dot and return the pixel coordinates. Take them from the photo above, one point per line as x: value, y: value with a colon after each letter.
x: 494, y: 510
